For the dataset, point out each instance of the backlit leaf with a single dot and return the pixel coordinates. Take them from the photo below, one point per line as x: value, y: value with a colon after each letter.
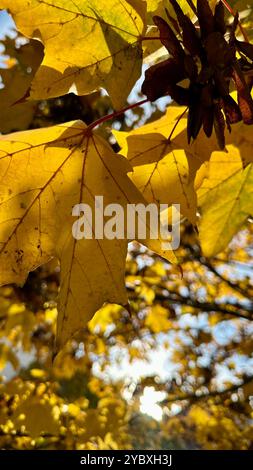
x: 226, y: 208
x: 164, y: 172
x: 88, y: 45
x: 224, y: 186
x: 16, y: 80
x: 44, y: 173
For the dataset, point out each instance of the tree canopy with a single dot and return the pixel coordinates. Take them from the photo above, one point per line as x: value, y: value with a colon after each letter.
x: 101, y: 338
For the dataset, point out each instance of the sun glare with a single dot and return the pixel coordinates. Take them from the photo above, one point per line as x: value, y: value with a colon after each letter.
x: 149, y: 403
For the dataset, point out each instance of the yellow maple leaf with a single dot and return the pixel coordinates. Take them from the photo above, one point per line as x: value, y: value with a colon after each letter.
x: 164, y: 172
x: 220, y: 167
x: 16, y: 80
x: 44, y: 173
x: 87, y: 44
x: 226, y: 208
x: 224, y: 188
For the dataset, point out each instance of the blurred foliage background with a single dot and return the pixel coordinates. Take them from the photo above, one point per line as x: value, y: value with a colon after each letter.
x: 173, y: 372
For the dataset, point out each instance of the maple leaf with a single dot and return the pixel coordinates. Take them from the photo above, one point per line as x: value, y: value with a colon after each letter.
x: 16, y: 80
x: 227, y: 207
x: 164, y: 171
x: 88, y: 45
x: 224, y: 187
x: 44, y: 173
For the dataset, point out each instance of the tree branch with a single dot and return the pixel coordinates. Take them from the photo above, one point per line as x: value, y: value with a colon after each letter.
x: 212, y: 393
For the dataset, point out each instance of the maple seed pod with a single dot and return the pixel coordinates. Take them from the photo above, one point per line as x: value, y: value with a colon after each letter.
x: 190, y: 67
x: 246, y: 48
x: 219, y: 18
x: 205, y: 17
x: 232, y: 111
x: 168, y: 38
x: 173, y: 22
x: 156, y: 83
x: 208, y: 59
x: 244, y: 97
x: 196, y: 112
x: 208, y: 122
x: 191, y: 39
x: 219, y: 126
x: 178, y: 10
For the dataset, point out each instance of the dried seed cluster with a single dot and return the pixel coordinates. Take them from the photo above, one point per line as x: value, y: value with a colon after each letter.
x: 206, y: 55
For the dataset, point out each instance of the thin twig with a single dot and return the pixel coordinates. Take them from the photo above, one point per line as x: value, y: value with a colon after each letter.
x: 212, y: 393
x: 115, y: 114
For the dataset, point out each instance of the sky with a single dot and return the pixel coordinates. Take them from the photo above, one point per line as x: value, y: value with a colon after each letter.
x: 6, y: 23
